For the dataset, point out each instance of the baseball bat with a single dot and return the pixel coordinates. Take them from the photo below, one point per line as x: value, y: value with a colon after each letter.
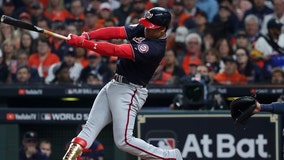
x: 21, y: 24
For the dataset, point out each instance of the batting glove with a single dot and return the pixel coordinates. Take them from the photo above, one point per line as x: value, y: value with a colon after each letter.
x: 85, y: 35
x: 75, y: 40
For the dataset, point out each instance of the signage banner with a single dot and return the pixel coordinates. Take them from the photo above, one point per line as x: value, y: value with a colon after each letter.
x: 43, y: 116
x: 213, y: 136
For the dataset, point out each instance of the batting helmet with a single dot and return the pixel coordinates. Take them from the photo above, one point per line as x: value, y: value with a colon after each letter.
x: 156, y: 17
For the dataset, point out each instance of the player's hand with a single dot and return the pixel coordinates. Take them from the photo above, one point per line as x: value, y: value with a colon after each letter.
x: 257, y: 108
x: 85, y: 35
x: 75, y: 40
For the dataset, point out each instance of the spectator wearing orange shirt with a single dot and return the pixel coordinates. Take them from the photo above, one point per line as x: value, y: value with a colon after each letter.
x: 139, y: 9
x: 193, y: 51
x: 230, y: 74
x: 76, y: 14
x: 43, y: 59
x: 180, y: 17
x: 91, y: 19
x: 160, y: 77
x: 55, y: 10
x: 171, y: 65
x: 58, y: 45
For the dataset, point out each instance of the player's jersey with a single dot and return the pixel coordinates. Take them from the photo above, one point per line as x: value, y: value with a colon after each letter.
x: 147, y: 53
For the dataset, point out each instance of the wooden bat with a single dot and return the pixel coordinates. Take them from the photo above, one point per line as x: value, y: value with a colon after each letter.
x: 21, y: 24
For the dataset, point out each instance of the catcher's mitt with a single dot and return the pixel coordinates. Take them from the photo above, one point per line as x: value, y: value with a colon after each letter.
x: 242, y: 109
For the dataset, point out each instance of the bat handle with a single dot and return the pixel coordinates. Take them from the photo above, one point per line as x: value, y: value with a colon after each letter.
x: 55, y: 34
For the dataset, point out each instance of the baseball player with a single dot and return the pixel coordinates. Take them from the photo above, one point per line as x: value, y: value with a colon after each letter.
x: 120, y: 100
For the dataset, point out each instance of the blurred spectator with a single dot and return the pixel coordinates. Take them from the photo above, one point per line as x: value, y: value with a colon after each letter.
x: 95, y: 65
x: 8, y: 8
x: 171, y: 66
x: 81, y: 56
x: 247, y: 67
x: 23, y: 75
x: 9, y: 55
x: 139, y: 9
x: 134, y: 20
x: 208, y: 40
x: 9, y: 32
x: 224, y: 49
x: 278, y: 14
x: 178, y: 44
x: 190, y: 7
x: 94, y: 79
x: 76, y: 14
x: 91, y: 21
x: 114, y: 4
x: 162, y: 3
x: 37, y: 12
x: 58, y: 45
x: 230, y: 74
x: 4, y: 72
x: 193, y: 66
x: 29, y: 148
x: 23, y: 60
x: 201, y: 75
x: 269, y: 44
x: 160, y: 77
x: 210, y: 7
x: 180, y: 17
x: 268, y: 48
x: 46, y: 147
x: 201, y: 23
x: 211, y: 73
x: 202, y: 70
x: 26, y: 17
x: 239, y: 7
x: 74, y: 29
x: 241, y: 41
x: 56, y: 10
x: 109, y: 23
x: 27, y: 43
x: 62, y: 75
x: 259, y: 9
x: 105, y: 13
x: 43, y: 58
x: 252, y: 28
x: 69, y: 61
x: 212, y: 60
x: 94, y: 4
x: 44, y: 23
x: 193, y: 51
x: 277, y: 76
x: 225, y: 23
x: 123, y: 11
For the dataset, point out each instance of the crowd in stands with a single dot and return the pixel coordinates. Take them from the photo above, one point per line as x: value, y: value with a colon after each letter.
x: 223, y: 41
